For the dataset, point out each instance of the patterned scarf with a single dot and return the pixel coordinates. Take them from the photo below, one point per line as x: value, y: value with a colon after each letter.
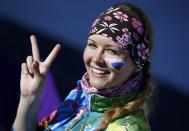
x: 128, y: 87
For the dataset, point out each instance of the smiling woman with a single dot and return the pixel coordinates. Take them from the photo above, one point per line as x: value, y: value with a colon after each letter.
x: 99, y: 55
x: 113, y: 94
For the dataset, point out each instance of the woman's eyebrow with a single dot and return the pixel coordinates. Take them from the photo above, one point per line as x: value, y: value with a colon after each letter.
x: 92, y: 40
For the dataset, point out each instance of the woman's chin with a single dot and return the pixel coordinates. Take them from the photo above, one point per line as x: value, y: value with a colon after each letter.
x: 98, y: 85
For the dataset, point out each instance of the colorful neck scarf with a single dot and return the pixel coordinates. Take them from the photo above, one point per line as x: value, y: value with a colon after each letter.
x: 126, y: 30
x: 128, y: 87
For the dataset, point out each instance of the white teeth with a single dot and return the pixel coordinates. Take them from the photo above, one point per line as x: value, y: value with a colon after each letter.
x: 98, y: 71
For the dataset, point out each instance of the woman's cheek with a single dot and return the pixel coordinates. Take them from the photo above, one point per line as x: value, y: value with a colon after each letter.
x: 86, y: 54
x: 116, y: 64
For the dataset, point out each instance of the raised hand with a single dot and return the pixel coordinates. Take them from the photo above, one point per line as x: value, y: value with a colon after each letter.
x: 34, y: 71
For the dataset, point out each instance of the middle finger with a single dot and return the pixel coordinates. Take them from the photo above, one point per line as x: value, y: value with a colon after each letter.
x: 35, y: 48
x: 29, y: 62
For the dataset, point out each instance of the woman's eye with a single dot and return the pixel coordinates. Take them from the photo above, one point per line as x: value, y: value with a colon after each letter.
x: 91, y: 45
x: 112, y: 51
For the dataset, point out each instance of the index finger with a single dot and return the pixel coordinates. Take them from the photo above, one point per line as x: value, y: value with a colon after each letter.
x: 35, y: 49
x: 49, y: 60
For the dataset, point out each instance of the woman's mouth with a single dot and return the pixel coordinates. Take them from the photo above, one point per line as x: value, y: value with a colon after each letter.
x: 99, y: 72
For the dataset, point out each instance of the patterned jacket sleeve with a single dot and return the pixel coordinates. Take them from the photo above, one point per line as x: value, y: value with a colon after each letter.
x: 45, y: 121
x: 66, y: 110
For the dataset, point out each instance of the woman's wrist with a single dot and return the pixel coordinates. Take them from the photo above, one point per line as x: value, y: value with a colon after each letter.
x: 29, y: 103
x: 26, y: 117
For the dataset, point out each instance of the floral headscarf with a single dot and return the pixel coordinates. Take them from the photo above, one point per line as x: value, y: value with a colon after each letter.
x: 125, y: 30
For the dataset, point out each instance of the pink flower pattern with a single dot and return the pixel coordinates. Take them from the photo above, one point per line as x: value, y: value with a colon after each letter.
x: 94, y: 30
x: 120, y: 16
x: 124, y: 40
x: 108, y: 18
x: 138, y: 25
x: 126, y: 31
x: 142, y: 52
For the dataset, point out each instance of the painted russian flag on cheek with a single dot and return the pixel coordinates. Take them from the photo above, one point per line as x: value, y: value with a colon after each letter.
x: 117, y: 64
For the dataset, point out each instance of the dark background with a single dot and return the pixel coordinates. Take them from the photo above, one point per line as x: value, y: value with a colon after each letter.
x: 68, y: 22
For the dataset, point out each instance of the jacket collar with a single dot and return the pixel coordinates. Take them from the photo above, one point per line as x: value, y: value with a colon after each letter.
x: 101, y: 103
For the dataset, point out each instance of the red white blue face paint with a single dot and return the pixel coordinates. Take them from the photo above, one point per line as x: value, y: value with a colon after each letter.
x: 116, y: 63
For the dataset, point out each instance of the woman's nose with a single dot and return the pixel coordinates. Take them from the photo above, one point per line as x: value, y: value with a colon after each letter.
x: 98, y: 57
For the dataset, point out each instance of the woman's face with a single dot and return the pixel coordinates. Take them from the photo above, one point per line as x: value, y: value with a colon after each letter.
x: 106, y: 63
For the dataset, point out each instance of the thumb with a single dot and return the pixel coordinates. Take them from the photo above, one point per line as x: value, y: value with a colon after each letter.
x: 35, y: 68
